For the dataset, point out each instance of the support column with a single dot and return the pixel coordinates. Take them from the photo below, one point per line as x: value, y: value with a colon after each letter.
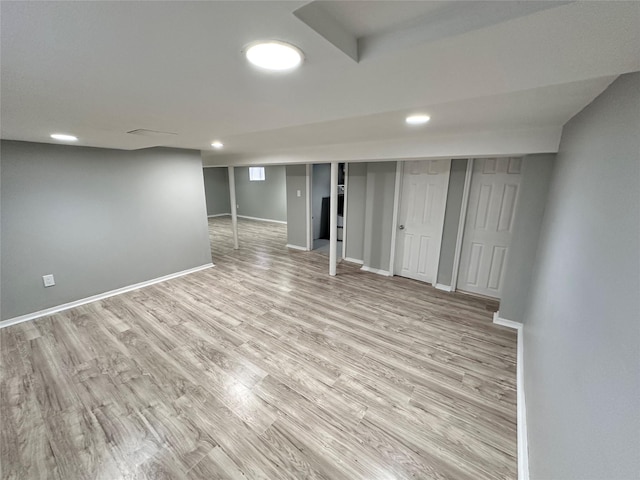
x: 333, y: 220
x: 234, y: 213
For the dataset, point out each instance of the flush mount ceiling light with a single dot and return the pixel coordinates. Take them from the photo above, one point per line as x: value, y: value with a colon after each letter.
x: 64, y: 137
x: 274, y: 55
x: 217, y: 144
x: 419, y: 119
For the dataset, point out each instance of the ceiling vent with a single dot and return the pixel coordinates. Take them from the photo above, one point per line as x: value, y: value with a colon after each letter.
x: 150, y: 133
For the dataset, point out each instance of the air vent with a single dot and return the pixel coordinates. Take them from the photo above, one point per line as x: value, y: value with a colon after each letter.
x: 150, y: 133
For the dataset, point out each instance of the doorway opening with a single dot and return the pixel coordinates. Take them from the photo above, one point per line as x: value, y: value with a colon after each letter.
x: 321, y: 207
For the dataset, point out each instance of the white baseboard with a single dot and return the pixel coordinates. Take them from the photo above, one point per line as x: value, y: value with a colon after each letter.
x: 297, y: 247
x: 219, y: 215
x: 261, y: 219
x: 100, y: 296
x: 378, y: 271
x: 353, y: 260
x: 443, y: 287
x: 498, y: 320
x: 523, y: 444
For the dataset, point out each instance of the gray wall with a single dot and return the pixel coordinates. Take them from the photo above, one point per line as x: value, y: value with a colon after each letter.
x: 451, y: 219
x: 297, y: 206
x: 97, y: 219
x: 356, y: 203
x: 320, y: 187
x: 582, y: 328
x: 534, y: 188
x: 381, y: 178
x: 266, y: 199
x: 216, y: 190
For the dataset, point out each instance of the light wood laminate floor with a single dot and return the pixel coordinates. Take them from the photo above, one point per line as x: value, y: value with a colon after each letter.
x: 262, y: 367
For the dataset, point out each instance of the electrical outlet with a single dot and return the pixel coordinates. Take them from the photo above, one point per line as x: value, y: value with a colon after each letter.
x: 48, y: 280
x: 298, y: 193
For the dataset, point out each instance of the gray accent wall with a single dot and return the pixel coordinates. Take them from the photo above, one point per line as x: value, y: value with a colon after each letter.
x: 451, y: 220
x: 380, y: 193
x: 216, y: 190
x: 582, y: 327
x: 527, y: 222
x: 356, y: 206
x: 97, y: 219
x: 297, y: 206
x: 267, y: 199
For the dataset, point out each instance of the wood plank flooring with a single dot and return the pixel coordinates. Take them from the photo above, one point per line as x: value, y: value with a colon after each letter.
x: 262, y: 367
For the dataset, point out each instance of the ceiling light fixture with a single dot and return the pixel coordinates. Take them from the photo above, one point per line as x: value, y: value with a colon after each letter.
x: 274, y: 55
x: 217, y: 144
x: 418, y: 119
x: 64, y: 137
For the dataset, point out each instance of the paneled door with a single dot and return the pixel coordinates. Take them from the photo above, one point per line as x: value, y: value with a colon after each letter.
x: 423, y: 199
x: 493, y: 198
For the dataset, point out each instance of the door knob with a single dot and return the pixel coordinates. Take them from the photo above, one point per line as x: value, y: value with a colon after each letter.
x: 401, y: 227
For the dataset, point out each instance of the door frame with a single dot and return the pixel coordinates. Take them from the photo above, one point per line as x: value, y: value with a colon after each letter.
x: 464, y: 207
x: 397, y: 200
x: 396, y: 208
x: 344, y: 210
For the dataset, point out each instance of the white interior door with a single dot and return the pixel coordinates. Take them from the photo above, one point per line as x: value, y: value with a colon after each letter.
x: 421, y: 218
x: 493, y: 198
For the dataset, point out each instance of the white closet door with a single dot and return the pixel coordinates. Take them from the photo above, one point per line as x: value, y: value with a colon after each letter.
x: 493, y: 199
x: 421, y: 218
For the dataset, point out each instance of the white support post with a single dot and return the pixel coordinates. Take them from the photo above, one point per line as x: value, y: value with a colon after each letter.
x: 309, y: 173
x: 234, y: 213
x: 333, y: 220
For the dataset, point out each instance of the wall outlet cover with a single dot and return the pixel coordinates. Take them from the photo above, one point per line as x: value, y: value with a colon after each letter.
x: 48, y: 280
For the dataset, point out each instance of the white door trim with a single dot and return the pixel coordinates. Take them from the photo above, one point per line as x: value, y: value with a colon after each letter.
x: 333, y: 220
x: 461, y: 223
x: 309, y: 173
x: 396, y: 207
x: 446, y: 193
x: 344, y: 211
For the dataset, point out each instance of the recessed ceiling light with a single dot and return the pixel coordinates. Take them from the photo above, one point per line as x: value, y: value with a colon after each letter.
x: 418, y: 119
x: 64, y: 137
x: 274, y: 55
x: 217, y: 144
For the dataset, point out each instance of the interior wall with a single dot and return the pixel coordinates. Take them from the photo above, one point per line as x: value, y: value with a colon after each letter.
x: 97, y: 219
x: 264, y: 199
x: 582, y: 331
x: 451, y: 220
x: 216, y: 190
x: 297, y: 205
x: 356, y: 206
x: 380, y: 194
x: 320, y: 187
x: 527, y: 222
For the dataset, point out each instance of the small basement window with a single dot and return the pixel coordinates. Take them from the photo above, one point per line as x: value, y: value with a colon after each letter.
x: 256, y: 174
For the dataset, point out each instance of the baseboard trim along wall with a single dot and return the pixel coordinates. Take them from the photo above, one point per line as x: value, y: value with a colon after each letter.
x: 297, y: 247
x: 523, y: 444
x: 443, y: 287
x: 353, y: 260
x: 378, y: 271
x: 262, y: 219
x: 100, y: 296
x: 219, y: 215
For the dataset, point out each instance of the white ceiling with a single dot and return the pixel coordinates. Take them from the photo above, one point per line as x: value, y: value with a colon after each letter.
x: 100, y: 69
